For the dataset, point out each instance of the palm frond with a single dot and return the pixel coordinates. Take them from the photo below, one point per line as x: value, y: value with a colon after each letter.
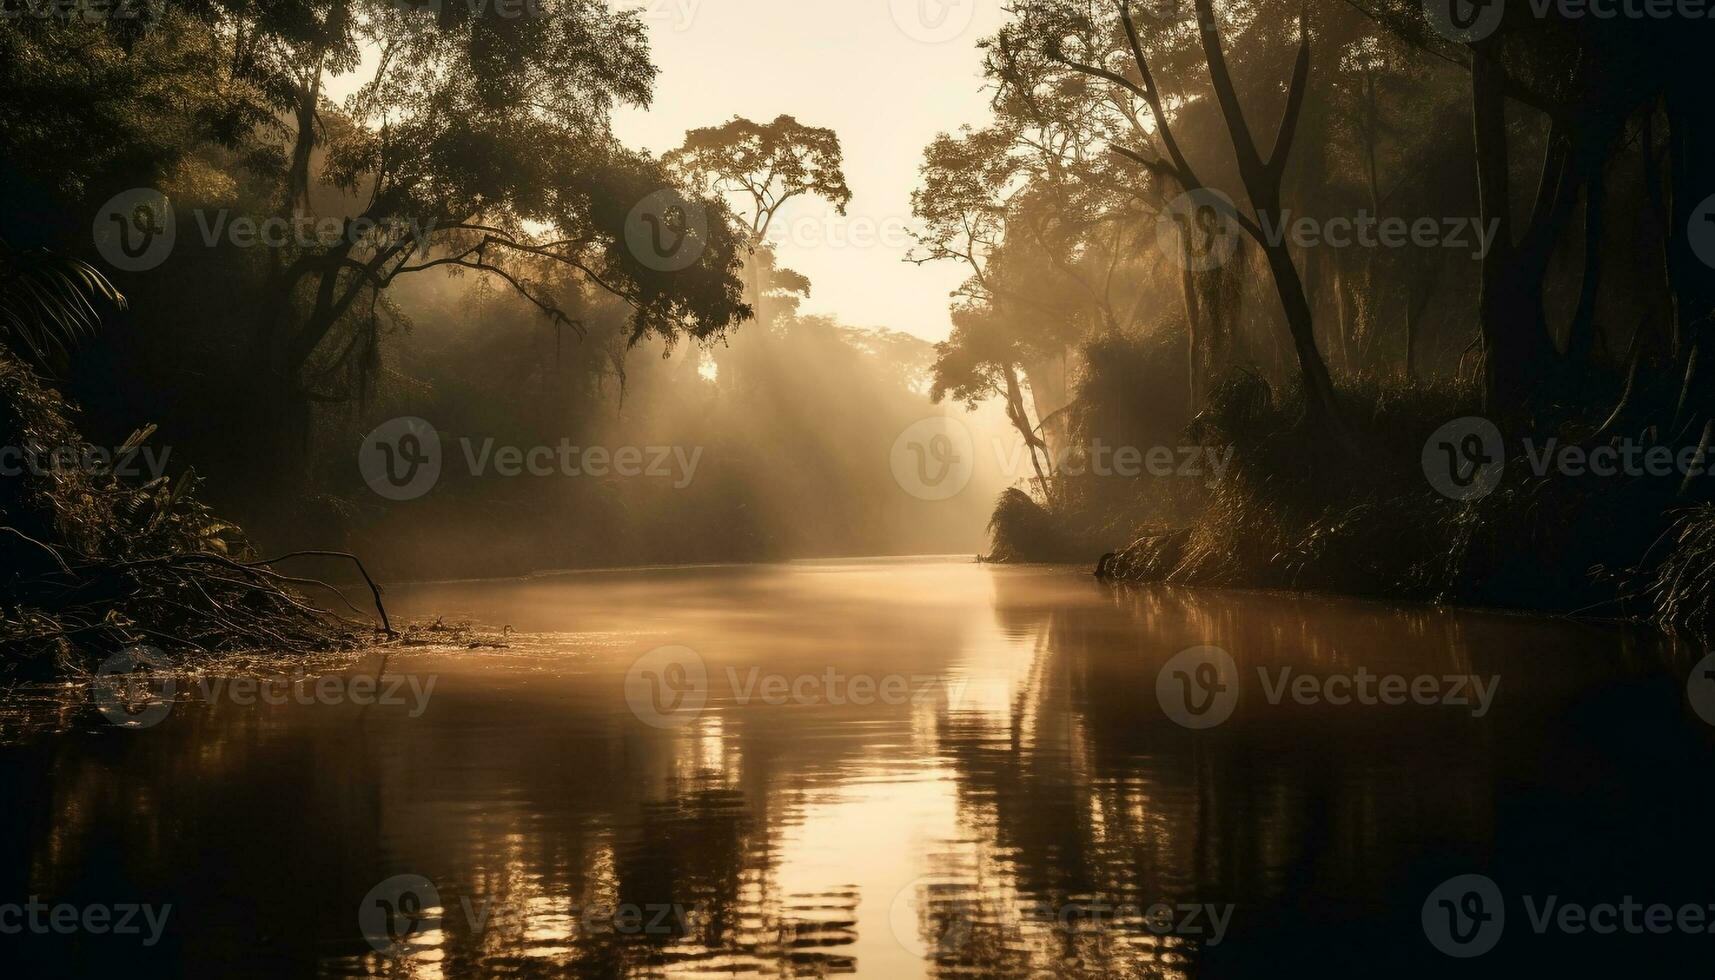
x: 48, y: 302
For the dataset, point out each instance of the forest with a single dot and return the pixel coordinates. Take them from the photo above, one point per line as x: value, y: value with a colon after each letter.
x: 1388, y: 280
x: 1339, y: 241
x: 1015, y: 489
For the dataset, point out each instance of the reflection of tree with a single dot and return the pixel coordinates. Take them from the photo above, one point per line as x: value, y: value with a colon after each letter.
x: 1083, y: 791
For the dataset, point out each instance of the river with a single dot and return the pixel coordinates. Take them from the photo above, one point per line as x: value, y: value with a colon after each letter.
x: 893, y: 768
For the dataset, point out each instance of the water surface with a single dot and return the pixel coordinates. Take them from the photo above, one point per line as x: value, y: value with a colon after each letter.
x: 1026, y: 808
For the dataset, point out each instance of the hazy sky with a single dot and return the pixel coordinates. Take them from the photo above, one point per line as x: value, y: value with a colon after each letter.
x: 879, y: 74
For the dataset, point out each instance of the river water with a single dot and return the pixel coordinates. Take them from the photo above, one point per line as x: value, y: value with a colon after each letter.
x: 892, y: 768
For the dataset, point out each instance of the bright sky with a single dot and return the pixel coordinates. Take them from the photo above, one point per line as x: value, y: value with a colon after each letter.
x: 886, y: 75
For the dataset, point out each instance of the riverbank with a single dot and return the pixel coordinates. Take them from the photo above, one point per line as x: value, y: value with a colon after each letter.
x: 1299, y: 510
x: 100, y: 563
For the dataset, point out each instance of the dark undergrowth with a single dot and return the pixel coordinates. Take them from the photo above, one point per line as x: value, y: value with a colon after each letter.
x: 1299, y: 510
x: 95, y: 562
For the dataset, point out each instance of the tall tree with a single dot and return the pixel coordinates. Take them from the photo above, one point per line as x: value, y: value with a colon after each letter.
x: 1261, y: 176
x: 768, y: 163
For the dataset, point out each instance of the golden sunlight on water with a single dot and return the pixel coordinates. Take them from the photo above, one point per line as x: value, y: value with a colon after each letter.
x: 970, y: 774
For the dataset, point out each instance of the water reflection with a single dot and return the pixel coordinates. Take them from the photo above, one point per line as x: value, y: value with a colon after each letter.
x: 1029, y: 811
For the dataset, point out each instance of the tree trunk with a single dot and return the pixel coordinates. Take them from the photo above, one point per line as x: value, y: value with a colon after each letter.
x: 1581, y: 335
x: 1262, y: 180
x: 1319, y: 401
x: 1193, y: 377
x: 1516, y: 348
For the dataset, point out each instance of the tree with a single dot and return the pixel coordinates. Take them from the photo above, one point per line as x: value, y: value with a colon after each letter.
x: 483, y: 144
x: 770, y: 163
x: 979, y: 360
x: 1018, y: 309
x: 1261, y: 176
